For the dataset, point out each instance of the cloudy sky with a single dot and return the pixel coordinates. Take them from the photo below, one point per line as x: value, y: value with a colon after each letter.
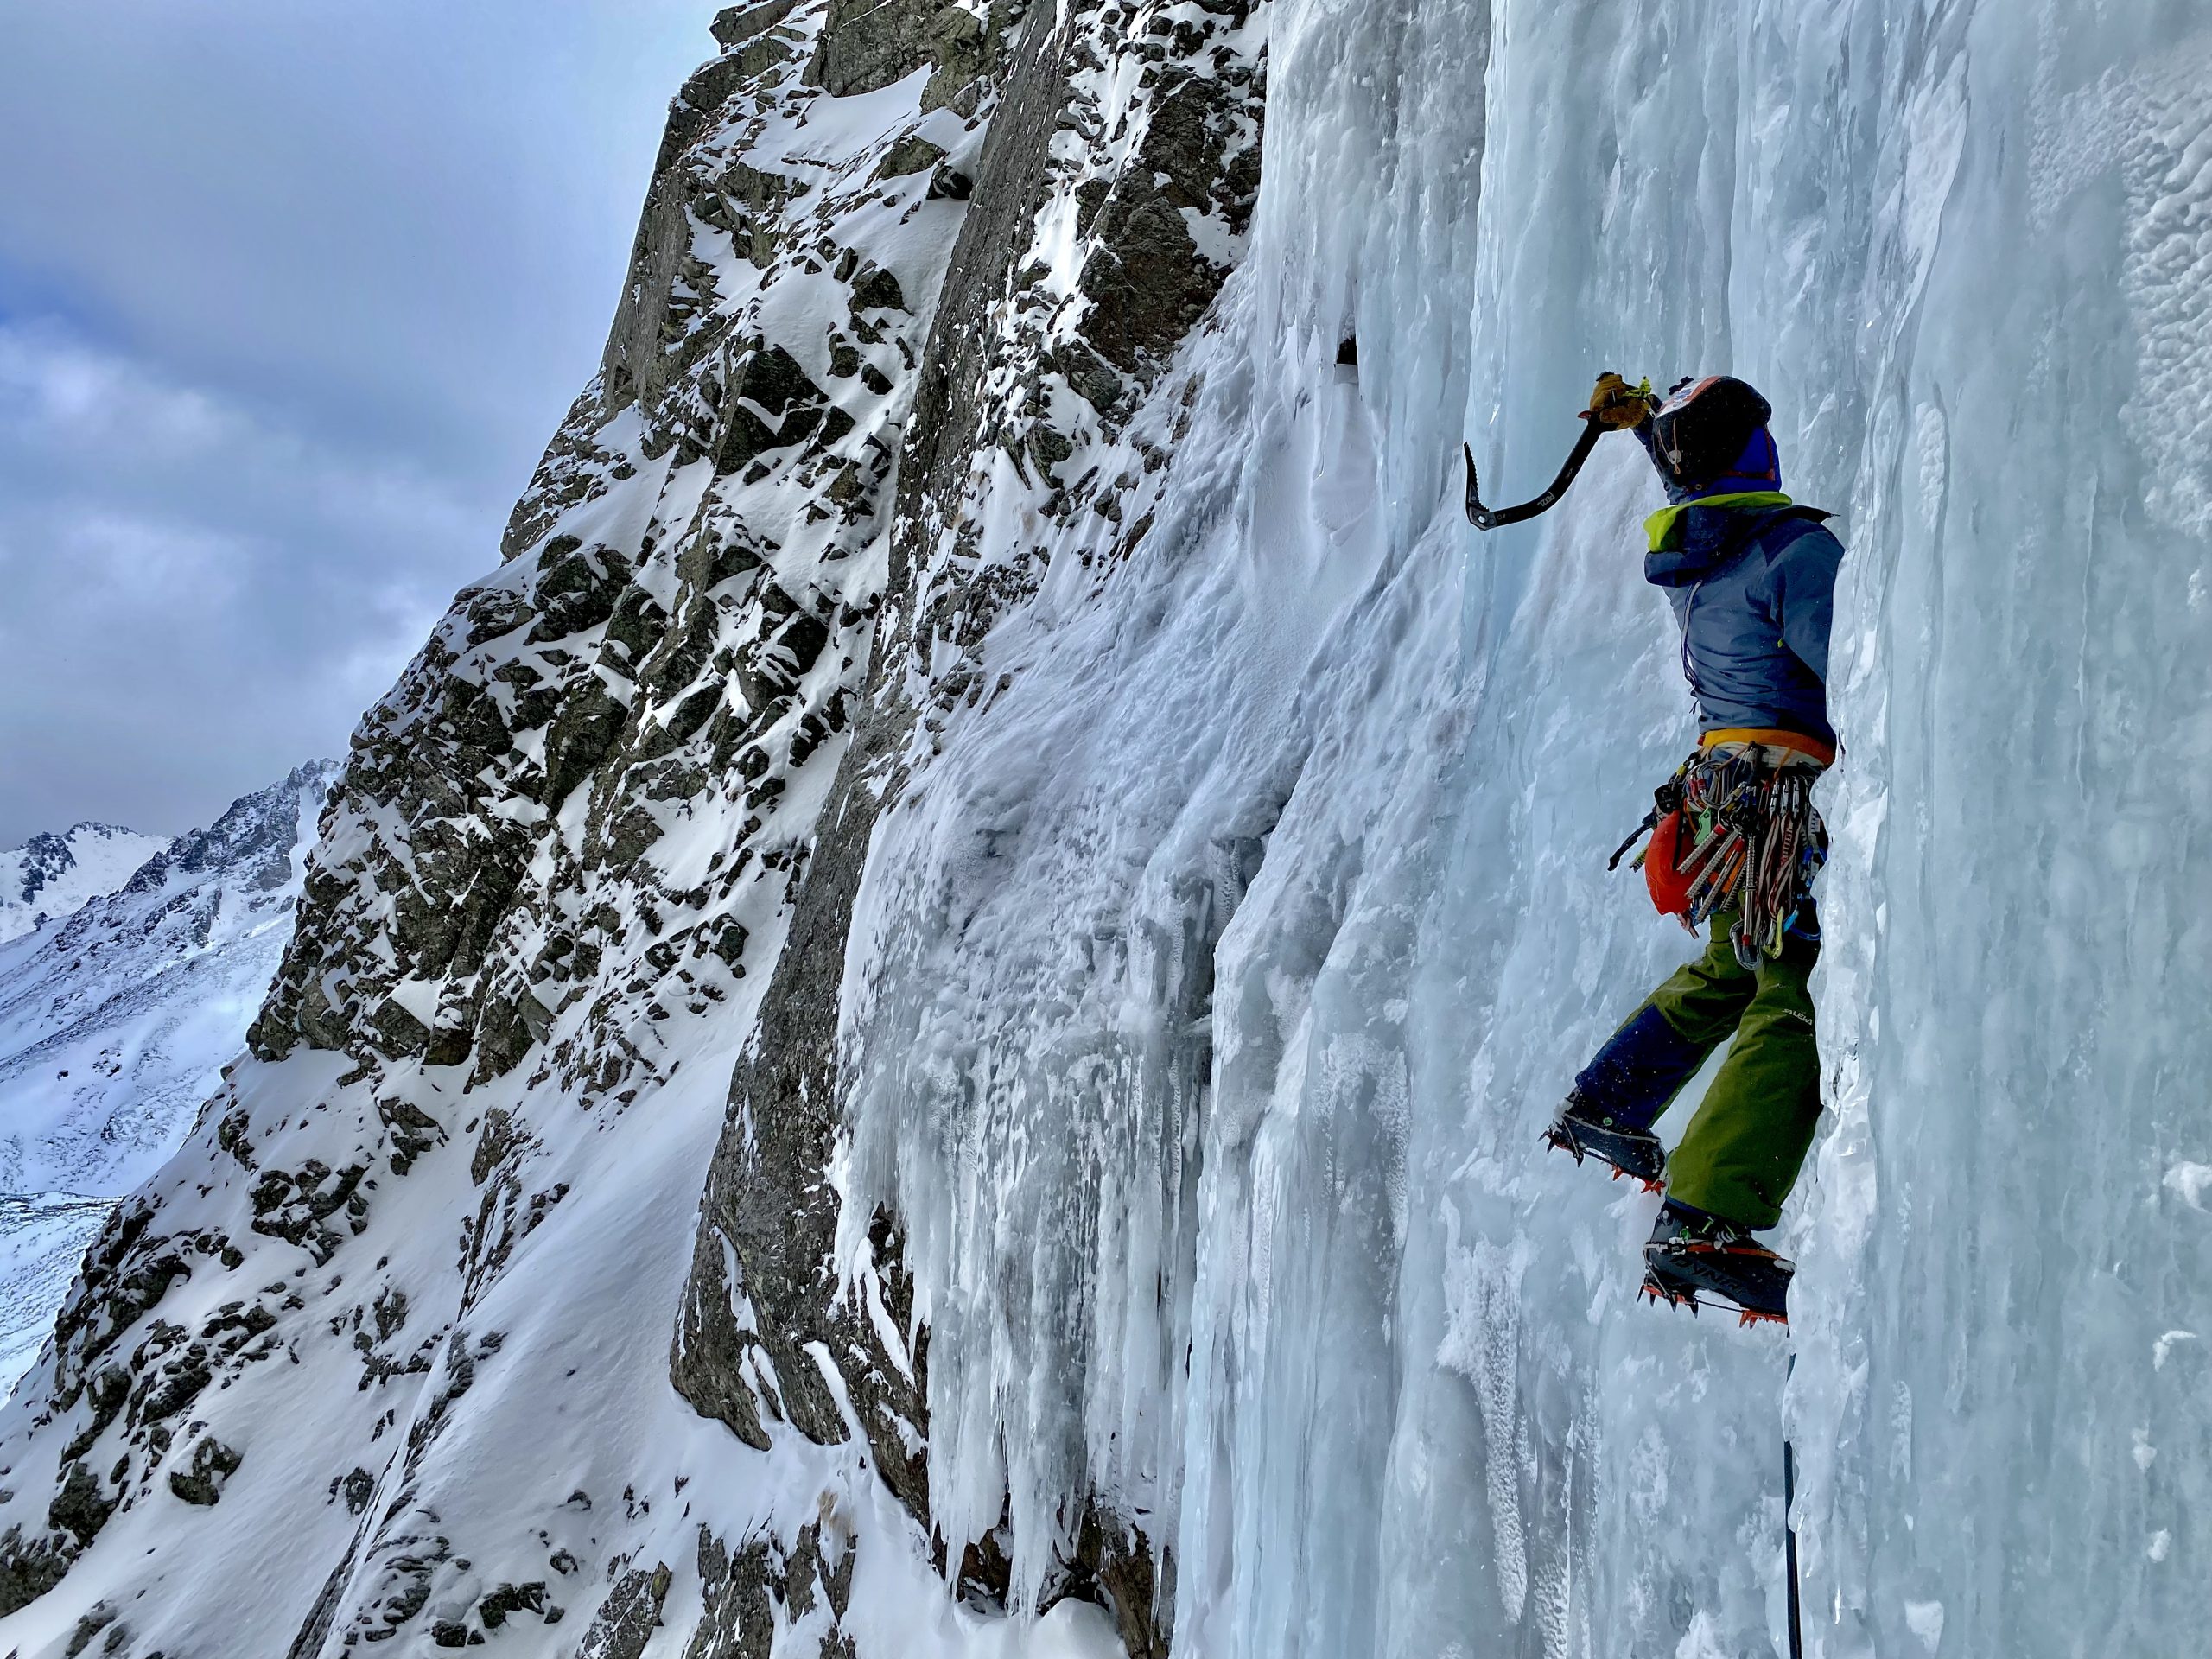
x: 292, y: 293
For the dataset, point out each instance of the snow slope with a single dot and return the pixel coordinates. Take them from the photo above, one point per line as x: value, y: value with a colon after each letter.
x: 115, y: 1024
x: 50, y: 876
x: 936, y: 1001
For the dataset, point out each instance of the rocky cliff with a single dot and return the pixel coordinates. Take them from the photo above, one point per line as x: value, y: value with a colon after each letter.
x: 906, y: 274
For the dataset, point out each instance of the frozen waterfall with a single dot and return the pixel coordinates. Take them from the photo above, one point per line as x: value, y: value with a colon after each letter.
x: 1209, y: 989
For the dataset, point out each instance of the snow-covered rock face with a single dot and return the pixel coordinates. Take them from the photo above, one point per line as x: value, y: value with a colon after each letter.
x: 115, y: 1023
x: 52, y: 876
x: 938, y: 998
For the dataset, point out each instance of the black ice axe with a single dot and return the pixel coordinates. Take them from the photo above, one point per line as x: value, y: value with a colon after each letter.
x: 1482, y: 518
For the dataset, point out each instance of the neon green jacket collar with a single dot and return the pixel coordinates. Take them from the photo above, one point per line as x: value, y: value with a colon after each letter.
x: 1661, y: 528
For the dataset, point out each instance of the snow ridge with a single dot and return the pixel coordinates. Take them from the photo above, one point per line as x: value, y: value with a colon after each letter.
x: 116, y: 1022
x: 50, y: 876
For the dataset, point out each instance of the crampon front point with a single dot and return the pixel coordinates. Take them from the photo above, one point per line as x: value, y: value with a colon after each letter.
x: 1560, y: 1138
x: 1744, y: 1279
x: 1587, y: 1130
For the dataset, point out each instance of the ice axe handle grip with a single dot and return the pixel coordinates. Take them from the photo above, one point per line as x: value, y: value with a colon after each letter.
x: 1482, y: 518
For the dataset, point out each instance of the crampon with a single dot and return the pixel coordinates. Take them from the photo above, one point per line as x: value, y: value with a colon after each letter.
x: 1735, y: 1276
x: 1581, y: 1130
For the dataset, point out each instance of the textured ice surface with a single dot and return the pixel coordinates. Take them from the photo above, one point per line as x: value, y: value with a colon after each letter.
x: 1212, y: 985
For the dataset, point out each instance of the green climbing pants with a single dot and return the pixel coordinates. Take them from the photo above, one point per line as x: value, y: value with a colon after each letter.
x: 1741, y: 1154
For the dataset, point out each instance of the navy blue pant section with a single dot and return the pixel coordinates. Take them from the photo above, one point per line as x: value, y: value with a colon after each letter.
x: 1641, y: 1070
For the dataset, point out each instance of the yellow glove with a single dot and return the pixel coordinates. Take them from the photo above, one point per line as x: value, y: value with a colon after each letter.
x: 1615, y: 404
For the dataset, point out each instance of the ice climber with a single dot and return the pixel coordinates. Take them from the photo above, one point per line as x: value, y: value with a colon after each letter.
x: 1735, y: 843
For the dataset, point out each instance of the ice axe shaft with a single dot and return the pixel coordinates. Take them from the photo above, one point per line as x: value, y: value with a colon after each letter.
x: 1482, y: 518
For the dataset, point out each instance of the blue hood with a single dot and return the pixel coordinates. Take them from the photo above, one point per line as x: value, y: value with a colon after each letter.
x: 1759, y: 467
x: 1756, y: 467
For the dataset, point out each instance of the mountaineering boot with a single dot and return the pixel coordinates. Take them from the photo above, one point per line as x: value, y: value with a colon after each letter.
x: 1583, y: 1127
x: 1691, y: 1252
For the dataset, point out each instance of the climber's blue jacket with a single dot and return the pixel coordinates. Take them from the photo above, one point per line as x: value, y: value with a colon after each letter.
x: 1751, y: 578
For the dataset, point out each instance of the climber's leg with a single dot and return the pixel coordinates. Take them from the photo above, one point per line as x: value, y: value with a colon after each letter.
x: 1645, y: 1063
x: 1741, y: 1154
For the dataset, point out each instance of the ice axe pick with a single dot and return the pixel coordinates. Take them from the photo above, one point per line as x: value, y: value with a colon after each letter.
x: 1482, y: 518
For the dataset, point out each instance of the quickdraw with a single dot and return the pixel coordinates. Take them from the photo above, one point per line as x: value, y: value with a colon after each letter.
x: 1730, y: 830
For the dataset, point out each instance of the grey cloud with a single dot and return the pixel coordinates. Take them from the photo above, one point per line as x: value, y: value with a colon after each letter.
x: 290, y: 296
x: 190, y: 601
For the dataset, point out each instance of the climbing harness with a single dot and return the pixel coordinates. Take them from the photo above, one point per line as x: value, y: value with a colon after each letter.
x: 1731, y: 828
x: 1482, y: 518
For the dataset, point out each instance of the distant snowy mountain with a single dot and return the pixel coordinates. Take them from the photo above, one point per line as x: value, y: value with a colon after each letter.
x: 52, y: 876
x: 116, y: 1022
